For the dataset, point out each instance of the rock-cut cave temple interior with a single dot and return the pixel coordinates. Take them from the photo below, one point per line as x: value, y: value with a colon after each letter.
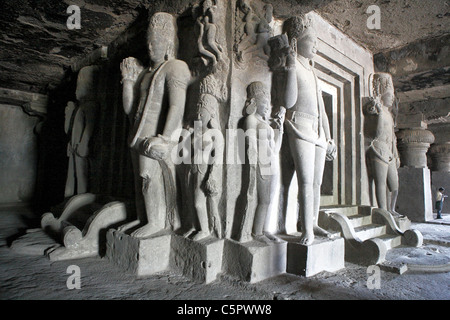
x: 224, y: 149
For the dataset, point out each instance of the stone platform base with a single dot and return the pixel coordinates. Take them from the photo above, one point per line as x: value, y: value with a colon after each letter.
x: 142, y: 257
x: 322, y: 255
x: 254, y: 261
x: 199, y: 260
x: 414, y: 194
x: 35, y: 242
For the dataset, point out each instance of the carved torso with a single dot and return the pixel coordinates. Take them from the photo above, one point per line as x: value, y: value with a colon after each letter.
x: 384, y: 141
x: 153, y: 108
x: 83, y: 114
x: 303, y: 120
x: 307, y: 91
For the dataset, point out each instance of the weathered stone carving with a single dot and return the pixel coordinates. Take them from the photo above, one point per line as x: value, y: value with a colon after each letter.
x: 382, y: 154
x: 208, y: 46
x: 205, y: 172
x: 154, y: 99
x: 307, y: 130
x: 263, y: 146
x: 252, y: 32
x: 204, y: 175
x: 81, y: 226
x: 79, y: 125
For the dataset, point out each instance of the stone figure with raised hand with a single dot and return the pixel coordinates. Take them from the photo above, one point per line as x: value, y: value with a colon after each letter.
x: 79, y: 124
x: 307, y: 129
x: 263, y: 146
x: 154, y: 100
x: 382, y: 153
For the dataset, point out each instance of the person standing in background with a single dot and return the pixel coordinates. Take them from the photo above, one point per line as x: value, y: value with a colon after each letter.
x: 440, y: 202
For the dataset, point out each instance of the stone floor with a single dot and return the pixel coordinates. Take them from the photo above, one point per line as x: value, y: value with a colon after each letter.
x: 26, y: 277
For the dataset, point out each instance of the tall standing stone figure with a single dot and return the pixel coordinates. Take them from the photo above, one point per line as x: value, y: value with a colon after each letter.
x: 307, y: 130
x: 79, y: 125
x: 154, y: 100
x: 382, y: 154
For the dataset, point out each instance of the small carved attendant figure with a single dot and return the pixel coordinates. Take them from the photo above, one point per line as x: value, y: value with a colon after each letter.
x: 154, y: 99
x: 246, y: 29
x: 382, y: 154
x: 252, y: 32
x: 79, y: 124
x: 206, y: 41
x: 205, y: 171
x: 260, y: 47
x: 306, y: 126
x: 262, y: 148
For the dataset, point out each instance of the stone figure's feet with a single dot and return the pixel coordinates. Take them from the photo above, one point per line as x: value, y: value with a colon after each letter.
x: 271, y: 237
x: 245, y: 238
x: 318, y: 231
x: 200, y: 235
x: 145, y: 231
x: 261, y: 238
x: 187, y: 233
x: 395, y: 214
x: 307, y: 239
x: 128, y: 226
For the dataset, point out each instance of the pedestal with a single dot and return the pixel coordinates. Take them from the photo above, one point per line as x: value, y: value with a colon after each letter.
x: 254, y: 261
x: 322, y: 255
x: 199, y: 260
x: 35, y: 242
x: 414, y: 195
x: 142, y: 257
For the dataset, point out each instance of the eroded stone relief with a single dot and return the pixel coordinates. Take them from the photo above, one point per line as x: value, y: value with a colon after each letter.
x: 80, y: 118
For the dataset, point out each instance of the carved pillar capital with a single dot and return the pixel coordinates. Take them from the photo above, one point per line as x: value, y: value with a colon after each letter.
x: 440, y: 155
x: 413, y: 145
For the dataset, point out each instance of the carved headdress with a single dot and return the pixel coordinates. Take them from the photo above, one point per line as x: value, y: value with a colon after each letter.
x: 298, y: 27
x: 87, y: 82
x: 254, y: 89
x: 381, y: 82
x: 165, y: 25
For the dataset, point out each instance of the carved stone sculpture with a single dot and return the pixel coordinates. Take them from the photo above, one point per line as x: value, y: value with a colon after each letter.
x: 252, y: 32
x: 205, y: 172
x: 154, y: 99
x: 382, y: 154
x: 263, y: 145
x: 307, y: 129
x: 208, y: 46
x: 79, y: 125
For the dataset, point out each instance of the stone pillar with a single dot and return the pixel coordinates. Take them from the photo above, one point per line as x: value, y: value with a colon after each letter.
x: 414, y: 198
x: 413, y: 145
x: 440, y: 156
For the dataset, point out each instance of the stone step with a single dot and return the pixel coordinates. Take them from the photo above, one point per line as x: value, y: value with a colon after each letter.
x: 370, y: 231
x: 391, y: 240
x: 359, y: 220
x: 345, y: 210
